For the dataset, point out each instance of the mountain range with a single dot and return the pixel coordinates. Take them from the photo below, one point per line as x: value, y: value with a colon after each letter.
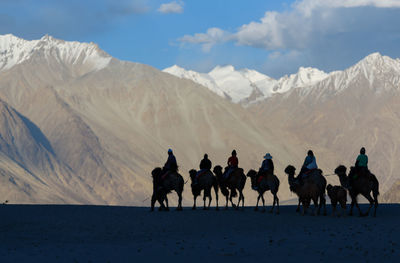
x: 79, y: 126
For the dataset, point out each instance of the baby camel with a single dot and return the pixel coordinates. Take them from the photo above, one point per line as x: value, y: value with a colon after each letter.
x: 337, y: 194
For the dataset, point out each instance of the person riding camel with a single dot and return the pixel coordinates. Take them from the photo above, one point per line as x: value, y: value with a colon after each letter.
x: 310, y: 163
x: 267, y: 168
x: 233, y: 163
x: 361, y: 165
x: 170, y: 166
x: 205, y: 165
x: 362, y: 160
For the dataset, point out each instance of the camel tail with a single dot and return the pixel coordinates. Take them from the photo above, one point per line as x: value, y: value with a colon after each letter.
x: 375, y: 187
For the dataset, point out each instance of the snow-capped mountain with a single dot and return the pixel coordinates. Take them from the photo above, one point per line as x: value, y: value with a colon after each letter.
x: 246, y: 86
x: 375, y: 72
x: 102, y: 134
x: 14, y: 50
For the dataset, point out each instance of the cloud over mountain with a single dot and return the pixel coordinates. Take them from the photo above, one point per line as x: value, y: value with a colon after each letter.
x: 324, y: 34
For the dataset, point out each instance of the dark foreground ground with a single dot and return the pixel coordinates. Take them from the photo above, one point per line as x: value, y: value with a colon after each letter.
x: 40, y: 233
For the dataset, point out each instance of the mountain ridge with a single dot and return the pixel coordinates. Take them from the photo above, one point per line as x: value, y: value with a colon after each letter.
x: 109, y: 127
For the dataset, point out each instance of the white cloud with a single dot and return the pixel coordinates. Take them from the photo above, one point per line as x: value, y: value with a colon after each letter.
x: 171, y: 8
x: 207, y: 40
x: 306, y: 22
x: 308, y: 6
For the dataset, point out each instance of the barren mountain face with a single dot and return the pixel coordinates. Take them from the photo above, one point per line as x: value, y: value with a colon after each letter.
x: 95, y: 126
x: 110, y: 127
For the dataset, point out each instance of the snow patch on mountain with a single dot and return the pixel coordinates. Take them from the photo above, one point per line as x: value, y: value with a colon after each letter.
x: 14, y: 50
x: 247, y: 86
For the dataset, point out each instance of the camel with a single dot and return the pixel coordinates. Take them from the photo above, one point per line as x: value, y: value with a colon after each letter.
x: 205, y: 182
x: 173, y: 182
x: 234, y: 183
x: 311, y: 189
x: 362, y: 183
x: 337, y: 194
x: 315, y: 176
x: 268, y: 182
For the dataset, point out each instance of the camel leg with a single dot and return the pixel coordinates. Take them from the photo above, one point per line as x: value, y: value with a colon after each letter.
x: 343, y: 205
x: 226, y: 205
x: 376, y: 203
x: 258, y: 200
x: 298, y: 207
x: 333, y: 209
x: 207, y: 193
x: 358, y: 207
x: 322, y: 203
x: 238, y: 203
x: 277, y: 204
x: 166, y: 202
x: 351, y: 207
x: 210, y: 199
x: 371, y: 203
x: 305, y: 207
x: 194, y: 202
x: 216, y: 197
x: 153, y: 201
x: 273, y: 205
x: 230, y: 199
x: 179, y: 208
x: 204, y: 200
x: 242, y: 196
x: 316, y: 207
x: 274, y: 202
x: 216, y: 202
x: 263, y: 202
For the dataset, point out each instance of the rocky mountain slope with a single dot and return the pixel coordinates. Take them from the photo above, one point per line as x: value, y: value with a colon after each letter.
x: 111, y: 126
x: 95, y: 126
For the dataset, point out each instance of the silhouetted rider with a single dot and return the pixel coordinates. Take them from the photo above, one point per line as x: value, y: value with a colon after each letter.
x: 233, y: 163
x: 205, y: 165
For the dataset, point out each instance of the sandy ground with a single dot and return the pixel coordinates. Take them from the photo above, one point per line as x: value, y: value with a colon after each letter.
x: 39, y: 233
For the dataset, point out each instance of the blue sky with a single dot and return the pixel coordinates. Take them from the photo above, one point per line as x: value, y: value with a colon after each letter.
x: 274, y: 37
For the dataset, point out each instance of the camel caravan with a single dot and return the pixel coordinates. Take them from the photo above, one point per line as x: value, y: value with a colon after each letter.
x: 310, y: 185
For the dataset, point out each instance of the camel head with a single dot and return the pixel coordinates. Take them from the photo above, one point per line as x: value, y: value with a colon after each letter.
x: 217, y: 170
x: 251, y: 173
x: 192, y: 174
x: 341, y: 170
x: 329, y: 188
x: 290, y: 170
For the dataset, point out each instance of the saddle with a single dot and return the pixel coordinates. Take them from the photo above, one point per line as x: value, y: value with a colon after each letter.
x: 228, y: 172
x: 356, y: 172
x: 200, y: 173
x: 260, y: 178
x: 165, y: 175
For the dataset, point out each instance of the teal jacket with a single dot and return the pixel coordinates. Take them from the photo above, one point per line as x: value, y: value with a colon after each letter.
x: 362, y: 161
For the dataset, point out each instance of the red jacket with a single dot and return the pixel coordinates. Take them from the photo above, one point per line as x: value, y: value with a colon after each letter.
x: 233, y: 161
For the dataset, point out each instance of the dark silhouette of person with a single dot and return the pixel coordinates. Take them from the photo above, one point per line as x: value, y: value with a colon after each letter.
x: 310, y: 163
x: 362, y: 159
x: 171, y: 164
x: 233, y: 163
x: 267, y: 168
x: 205, y: 165
x: 361, y: 166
